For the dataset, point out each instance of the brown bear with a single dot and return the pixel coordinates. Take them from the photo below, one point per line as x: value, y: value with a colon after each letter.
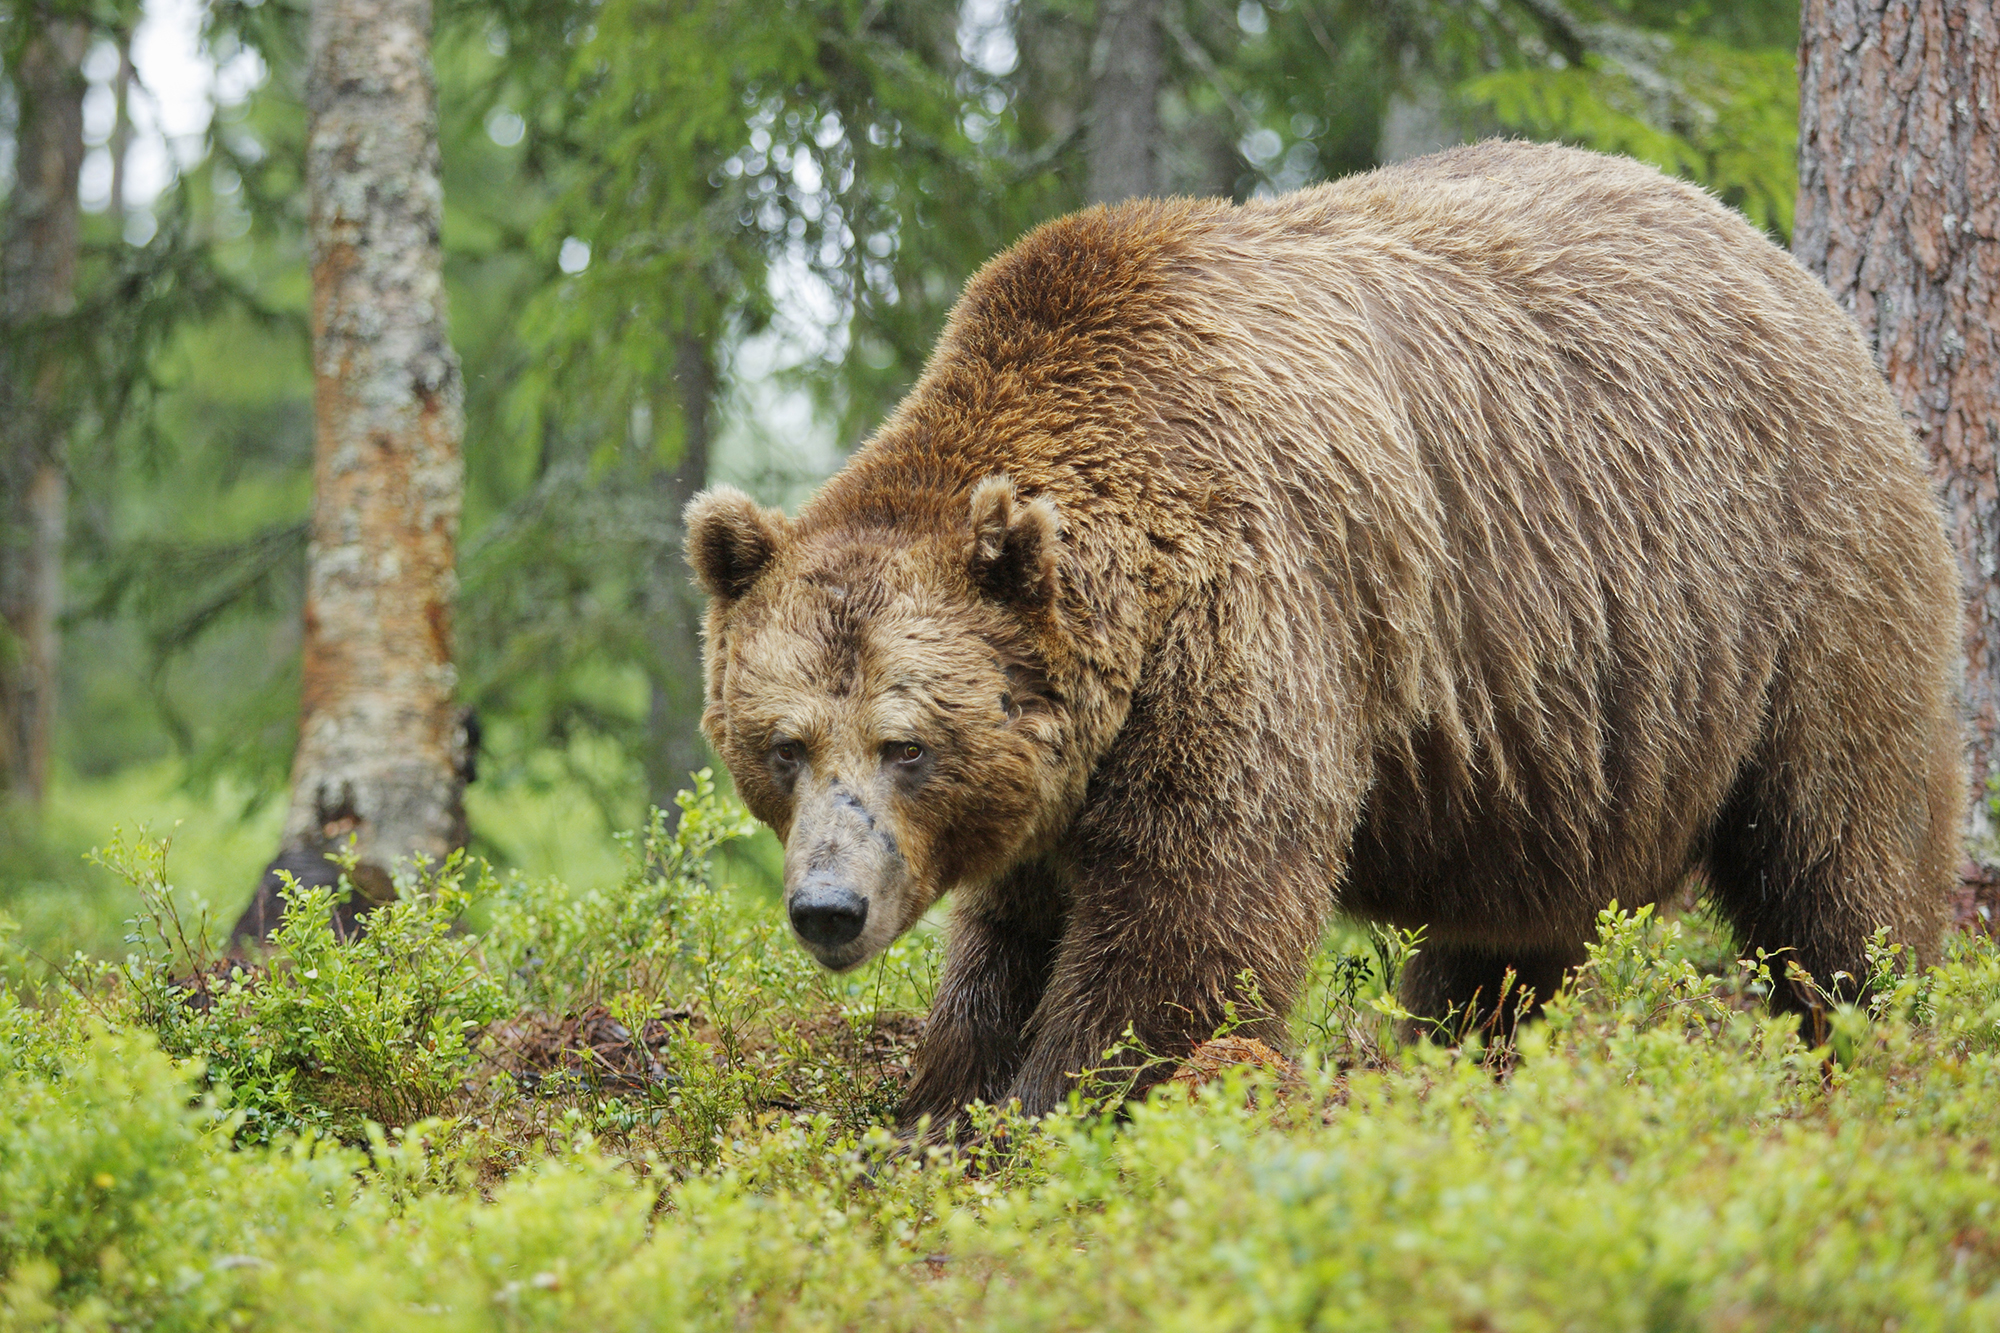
x: 1463, y: 545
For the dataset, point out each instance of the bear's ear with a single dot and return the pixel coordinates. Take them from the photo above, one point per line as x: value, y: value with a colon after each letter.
x: 730, y: 538
x: 1012, y: 552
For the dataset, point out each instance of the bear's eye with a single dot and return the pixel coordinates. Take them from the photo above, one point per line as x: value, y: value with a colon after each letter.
x: 904, y: 752
x: 788, y: 752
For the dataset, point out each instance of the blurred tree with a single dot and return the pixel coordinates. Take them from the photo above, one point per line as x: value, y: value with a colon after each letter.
x: 38, y: 263
x: 1276, y: 94
x: 382, y: 747
x: 88, y: 309
x: 1899, y: 211
x: 1123, y: 144
x: 1703, y: 90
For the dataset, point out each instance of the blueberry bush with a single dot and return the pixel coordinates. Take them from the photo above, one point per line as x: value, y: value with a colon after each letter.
x: 515, y: 1106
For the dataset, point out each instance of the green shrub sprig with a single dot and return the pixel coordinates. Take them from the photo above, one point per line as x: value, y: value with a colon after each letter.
x: 319, y: 1034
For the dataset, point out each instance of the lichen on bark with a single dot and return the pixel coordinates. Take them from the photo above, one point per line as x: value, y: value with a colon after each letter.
x: 380, y: 752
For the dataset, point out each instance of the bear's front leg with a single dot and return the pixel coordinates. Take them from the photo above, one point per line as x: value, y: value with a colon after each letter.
x: 1166, y: 957
x: 996, y: 967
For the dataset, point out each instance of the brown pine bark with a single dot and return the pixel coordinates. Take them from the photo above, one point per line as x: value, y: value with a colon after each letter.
x: 1122, y: 137
x: 38, y: 255
x: 381, y: 752
x: 1899, y: 211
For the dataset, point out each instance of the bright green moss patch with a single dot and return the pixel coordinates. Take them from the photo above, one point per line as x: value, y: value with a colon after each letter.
x: 1657, y: 1155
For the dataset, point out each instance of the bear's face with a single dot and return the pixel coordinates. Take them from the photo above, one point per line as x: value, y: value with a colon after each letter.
x: 878, y: 708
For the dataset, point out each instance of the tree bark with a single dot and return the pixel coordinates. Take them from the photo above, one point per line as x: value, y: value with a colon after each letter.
x: 37, y: 288
x: 382, y: 752
x: 1122, y: 139
x: 674, y: 747
x: 1899, y: 212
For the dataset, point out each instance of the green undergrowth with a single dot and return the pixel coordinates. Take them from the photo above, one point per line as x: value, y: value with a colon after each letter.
x: 430, y: 1128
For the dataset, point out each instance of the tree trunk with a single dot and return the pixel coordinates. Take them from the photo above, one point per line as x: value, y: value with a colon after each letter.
x: 1128, y: 64
x: 1899, y: 211
x: 674, y: 747
x: 1416, y: 123
x: 121, y: 130
x: 382, y: 748
x: 37, y: 288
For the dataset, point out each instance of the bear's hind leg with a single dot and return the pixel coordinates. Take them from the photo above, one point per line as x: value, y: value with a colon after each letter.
x: 1808, y: 862
x: 1452, y: 989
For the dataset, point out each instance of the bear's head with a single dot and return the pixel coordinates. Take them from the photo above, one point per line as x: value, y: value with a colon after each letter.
x: 878, y: 691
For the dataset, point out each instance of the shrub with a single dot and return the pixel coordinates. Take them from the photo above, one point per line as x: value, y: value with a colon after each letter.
x: 122, y: 1204
x: 1660, y: 1154
x: 322, y: 1034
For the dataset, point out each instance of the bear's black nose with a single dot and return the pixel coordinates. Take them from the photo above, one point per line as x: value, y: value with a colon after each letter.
x: 828, y: 915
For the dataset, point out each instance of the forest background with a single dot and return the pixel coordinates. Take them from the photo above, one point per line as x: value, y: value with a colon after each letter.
x: 684, y: 243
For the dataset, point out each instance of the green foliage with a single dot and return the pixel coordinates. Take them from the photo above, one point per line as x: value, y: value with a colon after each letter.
x: 1349, y: 1013
x: 706, y: 149
x: 1658, y: 1156
x: 1640, y: 972
x: 322, y: 1034
x: 746, y: 1023
x: 569, y: 949
x: 330, y: 1037
x: 65, y: 904
x: 39, y: 1023
x: 123, y: 1205
x: 1723, y: 117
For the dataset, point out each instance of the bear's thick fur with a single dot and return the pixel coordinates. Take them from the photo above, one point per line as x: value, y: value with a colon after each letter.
x: 1463, y: 545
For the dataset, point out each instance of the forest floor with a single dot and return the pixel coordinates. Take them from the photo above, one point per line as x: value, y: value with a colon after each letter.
x: 637, y: 1105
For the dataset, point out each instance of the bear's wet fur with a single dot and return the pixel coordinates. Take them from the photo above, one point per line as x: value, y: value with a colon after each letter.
x: 1463, y: 545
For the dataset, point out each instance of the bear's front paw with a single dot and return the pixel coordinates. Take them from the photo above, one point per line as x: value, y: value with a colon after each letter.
x: 928, y: 1128
x: 1035, y: 1095
x: 932, y: 1114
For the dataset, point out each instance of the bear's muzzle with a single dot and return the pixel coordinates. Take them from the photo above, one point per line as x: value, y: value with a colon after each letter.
x: 827, y: 914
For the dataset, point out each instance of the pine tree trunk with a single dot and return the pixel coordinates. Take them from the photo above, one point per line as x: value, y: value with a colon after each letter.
x: 37, y: 287
x: 382, y: 747
x: 1899, y: 211
x: 1128, y: 64
x: 674, y: 747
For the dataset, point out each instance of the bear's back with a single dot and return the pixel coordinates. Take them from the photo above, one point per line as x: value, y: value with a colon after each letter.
x: 1504, y: 311
x: 1513, y: 375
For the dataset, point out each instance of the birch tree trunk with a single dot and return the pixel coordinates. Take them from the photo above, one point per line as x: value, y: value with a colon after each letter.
x: 1122, y: 138
x: 37, y: 287
x: 381, y: 751
x: 1899, y: 212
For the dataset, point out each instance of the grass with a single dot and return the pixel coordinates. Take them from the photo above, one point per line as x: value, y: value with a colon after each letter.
x: 637, y: 1106
x: 63, y: 903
